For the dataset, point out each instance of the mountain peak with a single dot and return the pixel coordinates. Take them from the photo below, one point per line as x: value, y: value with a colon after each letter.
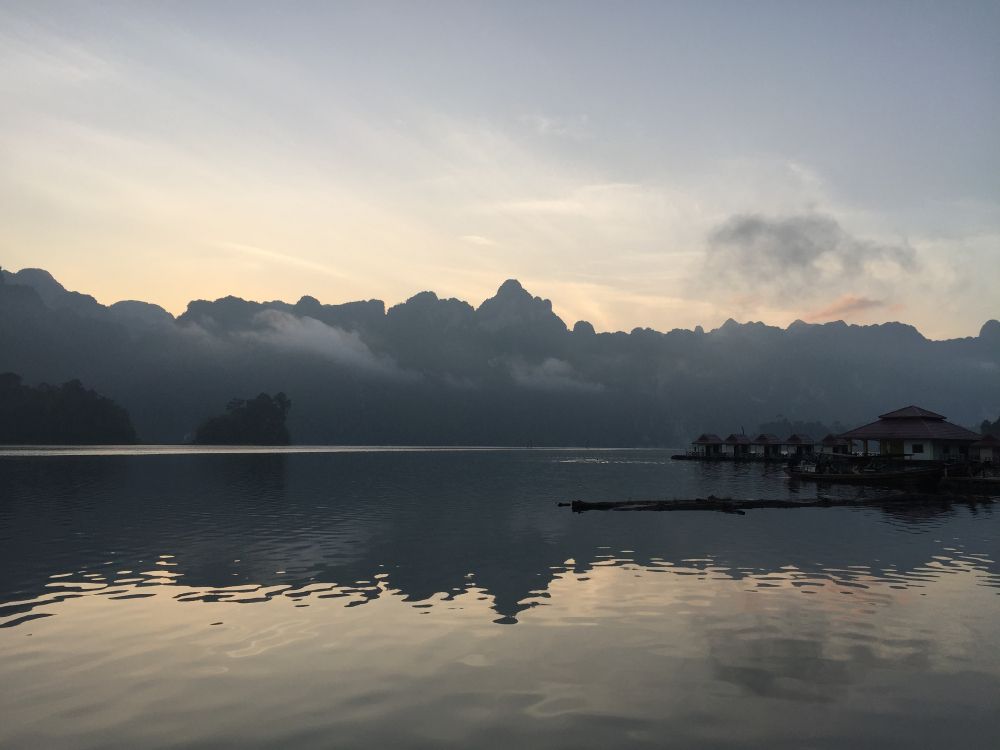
x: 513, y: 305
x: 422, y: 298
x: 54, y: 294
x: 39, y: 279
x: 512, y: 288
x: 990, y: 330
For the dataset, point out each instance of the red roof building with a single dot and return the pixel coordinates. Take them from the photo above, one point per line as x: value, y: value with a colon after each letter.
x: 915, y: 433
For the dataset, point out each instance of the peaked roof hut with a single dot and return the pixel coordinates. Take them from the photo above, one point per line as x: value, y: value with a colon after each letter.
x: 707, y: 444
x: 911, y: 423
x: 766, y: 445
x: 708, y: 438
x: 736, y: 445
x: 799, y: 438
x: 917, y: 432
x: 986, y: 449
x: 835, y: 444
x: 799, y: 444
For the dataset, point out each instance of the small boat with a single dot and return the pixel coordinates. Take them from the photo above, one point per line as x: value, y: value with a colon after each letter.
x: 857, y: 474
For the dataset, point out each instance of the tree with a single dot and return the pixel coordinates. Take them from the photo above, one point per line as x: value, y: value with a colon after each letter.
x: 783, y: 427
x: 69, y: 414
x: 258, y: 421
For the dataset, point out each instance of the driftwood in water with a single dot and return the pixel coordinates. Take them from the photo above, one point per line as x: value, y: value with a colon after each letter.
x: 729, y: 505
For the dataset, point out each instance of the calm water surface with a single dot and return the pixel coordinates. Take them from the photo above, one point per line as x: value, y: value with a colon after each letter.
x: 365, y: 598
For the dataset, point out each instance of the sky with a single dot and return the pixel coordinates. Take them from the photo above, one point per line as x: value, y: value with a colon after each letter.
x: 658, y: 164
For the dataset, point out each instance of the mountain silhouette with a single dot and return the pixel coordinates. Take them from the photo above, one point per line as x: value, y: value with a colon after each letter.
x: 508, y: 372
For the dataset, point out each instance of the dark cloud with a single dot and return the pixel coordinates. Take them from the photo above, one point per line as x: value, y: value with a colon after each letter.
x: 797, y: 255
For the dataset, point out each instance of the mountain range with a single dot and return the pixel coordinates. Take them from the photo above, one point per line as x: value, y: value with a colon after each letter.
x: 508, y: 372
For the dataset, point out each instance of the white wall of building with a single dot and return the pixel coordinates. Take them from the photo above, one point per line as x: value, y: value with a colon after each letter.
x: 932, y: 450
x: 919, y: 450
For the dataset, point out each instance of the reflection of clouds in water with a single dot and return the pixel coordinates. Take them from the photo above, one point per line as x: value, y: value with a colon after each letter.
x: 680, y: 650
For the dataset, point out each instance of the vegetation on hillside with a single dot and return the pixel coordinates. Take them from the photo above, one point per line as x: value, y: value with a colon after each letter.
x: 67, y: 414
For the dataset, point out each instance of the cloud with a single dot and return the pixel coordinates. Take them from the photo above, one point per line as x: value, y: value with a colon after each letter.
x: 796, y: 257
x: 308, y: 335
x: 276, y: 257
x: 558, y: 206
x: 575, y: 127
x: 476, y: 239
x: 336, y: 179
x: 845, y: 307
x: 551, y: 375
x: 32, y: 62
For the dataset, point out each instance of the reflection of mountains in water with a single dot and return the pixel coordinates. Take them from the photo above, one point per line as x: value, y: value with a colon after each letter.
x: 433, y: 525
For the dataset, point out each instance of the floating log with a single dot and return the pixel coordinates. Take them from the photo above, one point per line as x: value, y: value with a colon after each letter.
x: 739, y: 507
x: 752, y: 458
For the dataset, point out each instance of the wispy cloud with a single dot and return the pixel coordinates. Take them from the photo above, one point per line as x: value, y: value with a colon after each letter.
x: 551, y: 375
x: 558, y: 206
x: 159, y: 130
x: 281, y: 258
x: 575, y: 127
x: 476, y: 239
x: 846, y: 306
x: 308, y: 335
x: 31, y: 62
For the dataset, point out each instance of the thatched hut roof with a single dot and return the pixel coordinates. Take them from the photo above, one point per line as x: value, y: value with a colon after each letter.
x: 799, y: 439
x: 708, y: 438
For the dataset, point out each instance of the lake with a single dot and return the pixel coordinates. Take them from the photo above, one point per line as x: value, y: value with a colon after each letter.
x: 203, y: 598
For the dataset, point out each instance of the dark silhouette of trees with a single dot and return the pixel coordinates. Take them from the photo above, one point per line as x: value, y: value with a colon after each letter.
x: 259, y: 421
x: 990, y: 428
x: 68, y: 414
x: 783, y: 427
